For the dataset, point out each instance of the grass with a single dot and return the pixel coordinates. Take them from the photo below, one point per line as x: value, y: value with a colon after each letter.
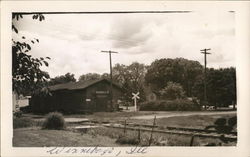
x: 113, y: 116
x: 34, y: 137
x: 159, y: 139
x: 195, y: 121
x: 24, y: 122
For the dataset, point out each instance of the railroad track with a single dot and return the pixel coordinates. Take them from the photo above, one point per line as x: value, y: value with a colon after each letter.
x: 232, y: 136
x: 180, y: 128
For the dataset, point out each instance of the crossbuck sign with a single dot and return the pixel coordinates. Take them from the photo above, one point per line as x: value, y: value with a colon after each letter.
x: 135, y: 97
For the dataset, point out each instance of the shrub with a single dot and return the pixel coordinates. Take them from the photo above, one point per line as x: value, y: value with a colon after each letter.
x: 170, y: 105
x: 128, y: 140
x: 22, y: 122
x: 26, y: 109
x: 232, y: 121
x: 17, y: 114
x: 55, y: 121
x: 172, y: 91
x: 220, y: 121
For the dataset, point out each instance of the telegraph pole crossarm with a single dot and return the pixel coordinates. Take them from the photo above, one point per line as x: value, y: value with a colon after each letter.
x: 111, y: 76
x: 204, y: 51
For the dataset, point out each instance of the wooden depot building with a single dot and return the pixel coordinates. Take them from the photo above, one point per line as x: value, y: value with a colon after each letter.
x: 78, y: 97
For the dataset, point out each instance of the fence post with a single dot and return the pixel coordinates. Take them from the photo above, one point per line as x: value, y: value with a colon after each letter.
x: 192, y: 140
x: 139, y: 134
x: 125, y: 123
x: 151, y: 135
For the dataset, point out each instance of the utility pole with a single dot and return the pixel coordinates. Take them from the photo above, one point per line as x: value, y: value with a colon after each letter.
x: 204, y: 51
x: 111, y: 77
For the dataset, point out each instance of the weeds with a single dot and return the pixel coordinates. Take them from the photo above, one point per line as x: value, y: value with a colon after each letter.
x: 23, y: 122
x: 128, y: 140
x: 159, y: 139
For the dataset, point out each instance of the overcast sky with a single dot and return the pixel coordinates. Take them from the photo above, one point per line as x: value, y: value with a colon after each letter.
x: 73, y: 42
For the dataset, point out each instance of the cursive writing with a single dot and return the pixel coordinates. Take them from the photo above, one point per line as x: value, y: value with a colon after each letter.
x: 137, y: 150
x: 89, y: 150
x: 98, y: 151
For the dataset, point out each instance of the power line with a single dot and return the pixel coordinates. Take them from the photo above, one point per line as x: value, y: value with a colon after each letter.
x: 204, y: 51
x: 111, y: 77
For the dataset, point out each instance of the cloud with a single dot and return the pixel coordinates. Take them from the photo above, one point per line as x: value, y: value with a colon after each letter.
x: 213, y: 33
x: 74, y: 42
x: 128, y: 32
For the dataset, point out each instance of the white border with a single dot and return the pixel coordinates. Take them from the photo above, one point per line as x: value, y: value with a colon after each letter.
x: 242, y: 63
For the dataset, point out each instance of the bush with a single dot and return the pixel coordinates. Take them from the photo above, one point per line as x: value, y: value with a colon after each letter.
x: 128, y: 140
x: 172, y: 91
x: 55, y: 121
x: 220, y: 121
x: 26, y: 109
x: 22, y: 122
x: 170, y: 105
x: 232, y: 121
x: 17, y: 114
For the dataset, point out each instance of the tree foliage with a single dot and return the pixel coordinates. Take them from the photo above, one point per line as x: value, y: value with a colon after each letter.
x: 179, y: 70
x: 172, y: 91
x: 221, y: 83
x: 27, y: 75
x: 62, y: 79
x: 221, y: 87
x: 131, y: 78
x: 89, y: 76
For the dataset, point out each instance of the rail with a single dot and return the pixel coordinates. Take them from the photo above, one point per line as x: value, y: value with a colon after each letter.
x: 232, y: 136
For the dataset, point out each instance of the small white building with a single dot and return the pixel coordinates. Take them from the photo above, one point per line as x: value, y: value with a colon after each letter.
x: 19, y: 101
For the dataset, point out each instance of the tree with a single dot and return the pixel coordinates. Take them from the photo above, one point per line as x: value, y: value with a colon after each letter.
x: 131, y: 78
x: 192, y: 73
x: 89, y: 76
x: 179, y: 70
x: 62, y: 79
x: 105, y: 76
x: 27, y: 75
x: 221, y: 87
x: 172, y: 91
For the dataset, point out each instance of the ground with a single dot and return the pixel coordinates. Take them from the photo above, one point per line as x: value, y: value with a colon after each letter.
x: 34, y: 136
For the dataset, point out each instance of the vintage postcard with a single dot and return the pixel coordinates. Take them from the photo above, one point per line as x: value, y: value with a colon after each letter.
x: 124, y: 78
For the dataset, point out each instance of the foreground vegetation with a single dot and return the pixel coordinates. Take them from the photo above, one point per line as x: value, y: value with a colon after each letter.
x: 28, y: 132
x: 35, y: 137
x: 24, y: 122
x: 158, y: 139
x: 194, y: 121
x: 171, y: 105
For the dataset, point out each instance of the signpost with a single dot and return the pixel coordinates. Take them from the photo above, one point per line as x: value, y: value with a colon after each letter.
x: 135, y: 97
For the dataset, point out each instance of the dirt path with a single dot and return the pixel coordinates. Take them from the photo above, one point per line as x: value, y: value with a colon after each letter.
x: 174, y: 114
x: 68, y: 120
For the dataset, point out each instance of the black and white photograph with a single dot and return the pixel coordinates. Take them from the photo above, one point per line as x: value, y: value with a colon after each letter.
x: 124, y: 78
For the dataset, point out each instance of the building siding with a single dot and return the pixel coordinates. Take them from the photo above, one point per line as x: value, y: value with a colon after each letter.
x: 94, y: 98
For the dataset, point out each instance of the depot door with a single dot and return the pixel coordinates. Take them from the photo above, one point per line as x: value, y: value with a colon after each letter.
x: 101, y: 103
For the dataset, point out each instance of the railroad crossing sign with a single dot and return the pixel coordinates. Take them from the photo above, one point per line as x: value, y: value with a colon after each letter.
x: 135, y: 97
